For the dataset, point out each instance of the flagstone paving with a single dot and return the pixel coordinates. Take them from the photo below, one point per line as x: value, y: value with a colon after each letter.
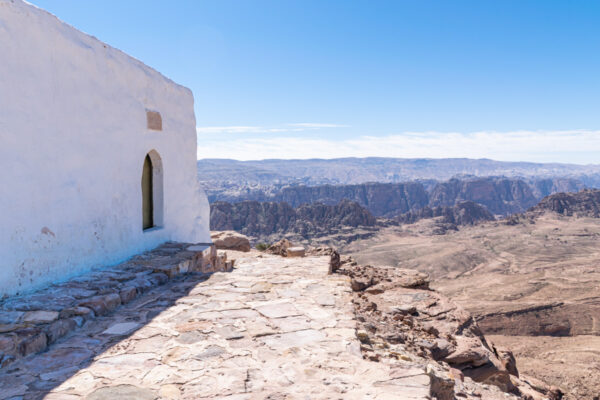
x: 274, y: 328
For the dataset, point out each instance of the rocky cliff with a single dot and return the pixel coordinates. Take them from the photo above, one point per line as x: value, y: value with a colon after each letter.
x: 501, y: 196
x: 585, y: 203
x: 400, y: 320
x: 381, y: 199
x: 262, y: 219
x: 463, y: 213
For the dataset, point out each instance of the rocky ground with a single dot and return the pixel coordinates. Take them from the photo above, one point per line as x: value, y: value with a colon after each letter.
x: 273, y: 328
x: 539, y: 276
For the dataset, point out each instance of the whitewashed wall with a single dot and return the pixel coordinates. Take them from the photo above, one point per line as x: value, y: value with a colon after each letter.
x: 73, y: 138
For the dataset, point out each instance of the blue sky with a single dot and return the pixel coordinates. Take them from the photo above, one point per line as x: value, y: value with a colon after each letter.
x: 510, y: 80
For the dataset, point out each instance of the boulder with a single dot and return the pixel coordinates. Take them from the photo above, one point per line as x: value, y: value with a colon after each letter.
x: 230, y: 240
x: 280, y: 248
x: 297, y: 251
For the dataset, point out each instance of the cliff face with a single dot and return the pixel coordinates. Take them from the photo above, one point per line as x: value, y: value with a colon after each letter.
x: 381, y: 199
x: 464, y: 213
x: 583, y: 204
x: 499, y: 195
x: 502, y: 196
x: 263, y: 219
x: 545, y: 187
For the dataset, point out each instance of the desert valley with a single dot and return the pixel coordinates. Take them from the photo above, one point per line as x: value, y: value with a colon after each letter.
x: 519, y: 253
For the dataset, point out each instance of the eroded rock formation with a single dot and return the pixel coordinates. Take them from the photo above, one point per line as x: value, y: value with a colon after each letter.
x: 463, y: 213
x: 263, y: 219
x: 401, y: 318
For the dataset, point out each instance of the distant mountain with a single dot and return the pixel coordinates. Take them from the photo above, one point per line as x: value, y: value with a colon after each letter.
x: 375, y: 169
x: 501, y: 196
x: 582, y: 204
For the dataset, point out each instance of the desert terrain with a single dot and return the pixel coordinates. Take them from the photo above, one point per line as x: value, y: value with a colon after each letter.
x: 533, y: 287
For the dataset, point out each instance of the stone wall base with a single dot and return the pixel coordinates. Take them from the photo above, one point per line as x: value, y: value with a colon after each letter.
x: 29, y: 323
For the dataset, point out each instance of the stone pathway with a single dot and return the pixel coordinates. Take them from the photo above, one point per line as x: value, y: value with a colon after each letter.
x: 274, y: 328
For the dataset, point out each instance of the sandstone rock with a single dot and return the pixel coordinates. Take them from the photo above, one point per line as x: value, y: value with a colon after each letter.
x: 123, y: 328
x: 76, y: 312
x: 112, y: 301
x: 442, y: 385
x: 280, y: 248
x: 469, y: 351
x: 59, y: 328
x: 295, y: 252
x: 122, y: 392
x: 30, y: 340
x: 96, y: 304
x: 169, y: 270
x: 508, y: 360
x: 230, y: 240
x: 263, y: 219
x: 158, y: 278
x: 10, y: 317
x: 40, y: 317
x: 127, y: 294
x: 361, y: 283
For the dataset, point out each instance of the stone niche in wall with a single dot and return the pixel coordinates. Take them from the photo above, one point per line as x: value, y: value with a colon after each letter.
x: 154, y: 120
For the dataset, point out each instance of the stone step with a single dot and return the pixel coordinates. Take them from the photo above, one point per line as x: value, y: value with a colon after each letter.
x: 29, y: 323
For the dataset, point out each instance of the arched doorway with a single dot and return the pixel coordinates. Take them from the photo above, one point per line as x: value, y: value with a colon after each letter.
x: 152, y: 191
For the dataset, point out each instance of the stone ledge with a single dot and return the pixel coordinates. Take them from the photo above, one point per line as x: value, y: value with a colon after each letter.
x: 29, y: 323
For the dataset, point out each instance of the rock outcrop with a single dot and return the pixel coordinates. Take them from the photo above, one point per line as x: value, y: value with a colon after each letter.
x: 380, y: 199
x: 585, y: 203
x: 499, y: 195
x: 257, y: 219
x: 230, y: 240
x: 463, y: 213
x: 401, y: 319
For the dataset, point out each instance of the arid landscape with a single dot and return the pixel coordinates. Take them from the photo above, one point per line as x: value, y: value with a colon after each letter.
x: 316, y: 200
x: 534, y: 287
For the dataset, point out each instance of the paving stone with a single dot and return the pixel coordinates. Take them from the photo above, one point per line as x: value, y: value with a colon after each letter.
x: 124, y: 328
x: 96, y: 304
x: 57, y: 359
x: 129, y: 392
x: 278, y: 310
x: 10, y: 317
x: 269, y: 329
x: 10, y: 327
x: 40, y: 317
x: 261, y: 287
x: 293, y: 339
x: 76, y: 312
x: 228, y: 332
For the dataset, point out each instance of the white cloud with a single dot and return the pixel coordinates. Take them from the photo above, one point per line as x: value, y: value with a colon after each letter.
x: 228, y: 129
x: 315, y: 125
x: 575, y: 146
x: 296, y: 127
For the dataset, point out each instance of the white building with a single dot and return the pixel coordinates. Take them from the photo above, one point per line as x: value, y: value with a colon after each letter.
x: 97, y: 154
